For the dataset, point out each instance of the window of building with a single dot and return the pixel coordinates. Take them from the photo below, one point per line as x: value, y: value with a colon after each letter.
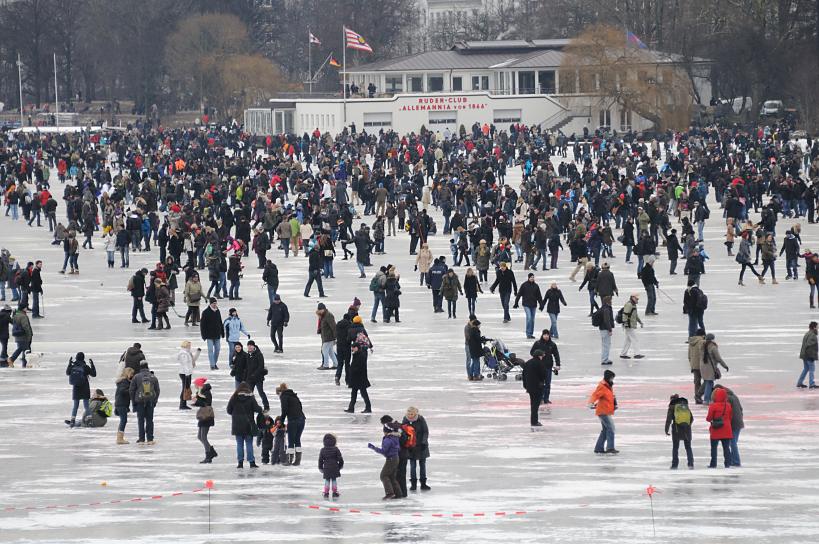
x: 480, y: 83
x: 442, y: 118
x: 526, y: 83
x: 435, y: 83
x: 378, y: 120
x: 416, y: 84
x: 568, y: 82
x: 625, y: 120
x: 587, y: 81
x: 506, y: 116
x: 605, y: 118
x: 546, y: 82
x: 395, y: 84
x: 457, y: 84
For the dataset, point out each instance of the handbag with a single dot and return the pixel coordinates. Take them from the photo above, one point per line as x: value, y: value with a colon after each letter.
x: 204, y: 413
x: 718, y: 422
x: 187, y: 394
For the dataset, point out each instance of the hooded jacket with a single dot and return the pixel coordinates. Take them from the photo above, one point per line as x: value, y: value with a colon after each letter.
x: 330, y: 461
x: 241, y: 408
x: 720, y: 407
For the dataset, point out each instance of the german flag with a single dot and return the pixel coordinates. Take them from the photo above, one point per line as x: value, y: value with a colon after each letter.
x: 334, y: 63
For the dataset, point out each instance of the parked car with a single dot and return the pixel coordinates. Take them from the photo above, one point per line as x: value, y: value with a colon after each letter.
x: 771, y: 108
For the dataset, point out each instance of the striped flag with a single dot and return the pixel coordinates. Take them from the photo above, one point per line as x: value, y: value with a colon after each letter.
x: 314, y: 40
x: 354, y: 40
x: 632, y: 39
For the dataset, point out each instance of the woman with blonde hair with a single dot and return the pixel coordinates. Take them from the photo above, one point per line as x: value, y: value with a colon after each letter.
x: 187, y: 361
x: 122, y: 401
x: 423, y: 261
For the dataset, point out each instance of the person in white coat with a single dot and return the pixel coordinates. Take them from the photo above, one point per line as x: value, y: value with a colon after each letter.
x: 187, y: 362
x: 110, y: 243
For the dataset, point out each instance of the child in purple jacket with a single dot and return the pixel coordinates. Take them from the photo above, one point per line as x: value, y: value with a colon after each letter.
x: 389, y: 449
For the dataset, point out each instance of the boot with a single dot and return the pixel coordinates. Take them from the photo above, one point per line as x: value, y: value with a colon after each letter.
x: 413, y: 484
x: 424, y: 486
x: 297, y: 462
x: 288, y: 460
x: 213, y: 453
x: 121, y: 438
x: 71, y: 422
x: 240, y: 464
x: 183, y: 405
x: 811, y: 305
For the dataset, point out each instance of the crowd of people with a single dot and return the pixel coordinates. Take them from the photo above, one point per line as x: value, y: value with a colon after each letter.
x: 205, y: 198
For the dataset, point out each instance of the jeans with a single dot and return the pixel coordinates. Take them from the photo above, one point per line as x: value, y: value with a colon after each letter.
x: 23, y: 346
x: 233, y: 292
x: 244, y: 443
x: 77, y: 406
x: 437, y: 299
x: 530, y: 320
x: 808, y: 369
x: 328, y: 355
x: 145, y: 421
x: 378, y: 298
x: 423, y: 466
x: 735, y: 460
x: 675, y: 455
x: 286, y: 246
x: 726, y: 452
x: 547, y: 386
x: 123, y: 420
x: 468, y: 361
x: 138, y: 307
x: 708, y: 388
x: 504, y: 297
x: 695, y: 321
x: 125, y: 258
x: 315, y: 276
x: 14, y: 212
x: 473, y: 369
x: 471, y: 304
x: 651, y: 295
x: 214, y: 345
x: 259, y: 387
x: 553, y: 326
x: 294, y: 429
x: 271, y: 293
x: 452, y: 307
x: 605, y: 345
x: 606, y: 434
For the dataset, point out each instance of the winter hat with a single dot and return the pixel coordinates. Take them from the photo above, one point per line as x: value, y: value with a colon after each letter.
x: 277, y: 297
x: 251, y: 343
x: 200, y: 382
x: 710, y: 337
x: 99, y: 393
x: 357, y: 320
x: 538, y: 353
x: 212, y: 300
x: 356, y: 302
x: 80, y: 356
x: 385, y: 419
x: 608, y: 375
x: 321, y: 306
x: 143, y: 364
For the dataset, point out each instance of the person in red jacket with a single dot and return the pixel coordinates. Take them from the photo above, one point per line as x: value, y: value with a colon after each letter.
x: 605, y: 403
x: 719, y: 414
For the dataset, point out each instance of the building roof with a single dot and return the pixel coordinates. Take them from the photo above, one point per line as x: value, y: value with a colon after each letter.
x: 489, y: 55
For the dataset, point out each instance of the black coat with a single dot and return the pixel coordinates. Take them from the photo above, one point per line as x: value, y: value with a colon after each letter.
x: 255, y: 367
x: 5, y: 321
x: 421, y: 449
x: 82, y: 391
x: 241, y: 408
x: 506, y: 282
x: 330, y: 461
x: 291, y: 406
x: 534, y: 375
x: 530, y: 293
x: 278, y: 315
x: 239, y: 366
x: 36, y: 282
x: 553, y: 299
x: 210, y: 326
x: 549, y: 349
x: 475, y: 342
x: 139, y: 285
x: 122, y: 398
x: 471, y: 286
x: 357, y: 375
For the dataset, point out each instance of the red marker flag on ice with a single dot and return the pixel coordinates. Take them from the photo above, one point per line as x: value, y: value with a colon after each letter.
x: 209, y: 484
x: 650, y: 490
x: 354, y: 40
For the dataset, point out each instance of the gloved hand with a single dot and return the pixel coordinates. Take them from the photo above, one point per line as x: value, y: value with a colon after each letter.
x: 369, y: 445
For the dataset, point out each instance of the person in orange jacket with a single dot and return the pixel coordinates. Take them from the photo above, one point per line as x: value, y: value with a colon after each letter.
x: 605, y: 403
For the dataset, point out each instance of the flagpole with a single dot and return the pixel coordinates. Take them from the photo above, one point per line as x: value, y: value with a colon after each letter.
x: 20, y: 79
x: 310, y: 60
x: 56, y: 97
x: 344, y: 71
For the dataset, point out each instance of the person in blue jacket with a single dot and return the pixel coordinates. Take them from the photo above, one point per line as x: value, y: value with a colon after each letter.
x: 233, y: 328
x: 435, y: 278
x: 390, y: 448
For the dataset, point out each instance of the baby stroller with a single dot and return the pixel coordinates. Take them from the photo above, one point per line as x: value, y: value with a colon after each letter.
x: 499, y: 362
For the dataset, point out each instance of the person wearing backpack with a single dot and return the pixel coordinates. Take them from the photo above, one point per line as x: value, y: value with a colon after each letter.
x: 719, y: 415
x: 695, y: 303
x: 378, y: 287
x: 679, y: 419
x: 23, y: 335
x: 78, y: 371
x: 603, y: 319
x: 144, y: 396
x: 98, y: 412
x: 630, y: 318
x: 708, y: 367
x: 420, y: 452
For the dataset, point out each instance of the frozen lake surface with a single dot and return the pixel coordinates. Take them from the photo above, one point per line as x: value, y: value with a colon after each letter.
x: 492, y: 478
